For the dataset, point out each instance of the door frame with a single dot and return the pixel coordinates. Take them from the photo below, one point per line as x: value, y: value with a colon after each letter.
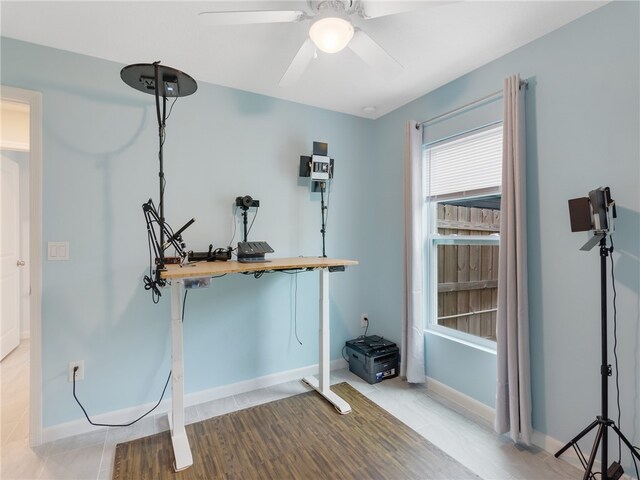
x: 34, y: 100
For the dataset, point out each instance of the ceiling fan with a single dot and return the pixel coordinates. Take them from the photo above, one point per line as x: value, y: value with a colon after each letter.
x: 330, y: 31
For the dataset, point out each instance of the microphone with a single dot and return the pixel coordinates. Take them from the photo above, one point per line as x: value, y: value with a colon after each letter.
x: 176, y: 235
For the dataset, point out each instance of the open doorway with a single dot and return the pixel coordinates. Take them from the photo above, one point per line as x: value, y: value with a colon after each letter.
x: 20, y: 253
x: 14, y: 235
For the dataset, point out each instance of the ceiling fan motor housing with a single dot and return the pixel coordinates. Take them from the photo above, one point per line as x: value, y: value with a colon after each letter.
x: 346, y: 6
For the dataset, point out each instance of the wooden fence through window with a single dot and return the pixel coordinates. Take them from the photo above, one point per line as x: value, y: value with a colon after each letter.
x: 468, y: 274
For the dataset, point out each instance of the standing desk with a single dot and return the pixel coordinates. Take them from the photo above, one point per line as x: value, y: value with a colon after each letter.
x: 178, y: 274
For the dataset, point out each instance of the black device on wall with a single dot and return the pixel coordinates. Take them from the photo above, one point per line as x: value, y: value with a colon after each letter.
x: 593, y: 213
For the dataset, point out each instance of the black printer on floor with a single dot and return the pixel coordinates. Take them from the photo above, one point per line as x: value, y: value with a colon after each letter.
x: 373, y: 358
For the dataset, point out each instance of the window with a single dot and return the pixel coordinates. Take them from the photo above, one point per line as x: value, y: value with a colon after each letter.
x: 462, y: 216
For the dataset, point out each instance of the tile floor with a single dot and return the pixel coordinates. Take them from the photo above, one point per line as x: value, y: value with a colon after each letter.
x: 464, y: 436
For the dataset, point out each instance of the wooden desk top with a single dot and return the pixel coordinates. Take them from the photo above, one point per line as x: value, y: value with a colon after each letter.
x: 209, y: 269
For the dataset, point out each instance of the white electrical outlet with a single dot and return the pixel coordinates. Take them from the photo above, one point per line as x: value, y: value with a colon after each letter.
x: 79, y: 373
x: 364, y: 320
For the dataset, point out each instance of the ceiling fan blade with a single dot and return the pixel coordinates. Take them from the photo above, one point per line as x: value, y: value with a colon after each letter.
x: 373, y: 54
x: 251, y: 17
x: 376, y: 8
x: 298, y: 64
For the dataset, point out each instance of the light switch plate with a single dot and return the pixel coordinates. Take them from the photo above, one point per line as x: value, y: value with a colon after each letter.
x: 57, y: 251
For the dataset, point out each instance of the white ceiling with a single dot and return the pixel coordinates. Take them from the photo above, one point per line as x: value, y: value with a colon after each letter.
x: 436, y: 43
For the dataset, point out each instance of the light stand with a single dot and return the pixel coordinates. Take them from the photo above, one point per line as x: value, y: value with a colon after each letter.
x: 319, y: 168
x: 162, y: 82
x: 603, y: 422
x: 323, y: 212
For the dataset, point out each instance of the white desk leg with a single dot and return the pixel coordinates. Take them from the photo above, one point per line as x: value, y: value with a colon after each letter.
x: 181, y: 449
x: 323, y: 384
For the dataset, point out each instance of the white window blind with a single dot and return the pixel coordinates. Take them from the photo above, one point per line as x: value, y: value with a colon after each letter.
x: 471, y: 165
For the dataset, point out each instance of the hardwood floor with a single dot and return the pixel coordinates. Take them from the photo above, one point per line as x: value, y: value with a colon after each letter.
x: 465, y: 437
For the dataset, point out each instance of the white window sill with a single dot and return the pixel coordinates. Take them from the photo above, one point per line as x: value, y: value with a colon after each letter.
x: 442, y: 332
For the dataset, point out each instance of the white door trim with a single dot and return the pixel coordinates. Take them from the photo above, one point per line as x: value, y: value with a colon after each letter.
x: 34, y: 99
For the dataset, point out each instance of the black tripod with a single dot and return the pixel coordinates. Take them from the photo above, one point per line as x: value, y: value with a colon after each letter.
x: 603, y: 422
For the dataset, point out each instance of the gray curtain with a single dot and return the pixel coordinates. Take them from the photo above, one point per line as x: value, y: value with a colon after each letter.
x: 513, y: 399
x: 412, y: 344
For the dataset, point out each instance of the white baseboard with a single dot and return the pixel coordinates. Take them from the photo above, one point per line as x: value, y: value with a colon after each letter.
x: 465, y: 401
x: 223, y: 391
x: 76, y: 427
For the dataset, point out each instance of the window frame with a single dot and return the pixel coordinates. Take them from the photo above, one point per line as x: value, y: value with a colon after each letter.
x: 432, y: 239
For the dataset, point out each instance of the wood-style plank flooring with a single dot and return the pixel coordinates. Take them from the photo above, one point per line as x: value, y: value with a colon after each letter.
x: 299, y: 437
x: 462, y: 435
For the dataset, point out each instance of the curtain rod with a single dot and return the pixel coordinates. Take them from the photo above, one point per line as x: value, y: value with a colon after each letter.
x: 486, y: 98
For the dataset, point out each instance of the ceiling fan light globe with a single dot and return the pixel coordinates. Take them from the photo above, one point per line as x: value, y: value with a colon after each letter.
x: 331, y: 34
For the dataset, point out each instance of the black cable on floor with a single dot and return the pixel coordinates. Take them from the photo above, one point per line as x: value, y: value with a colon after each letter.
x: 116, y: 424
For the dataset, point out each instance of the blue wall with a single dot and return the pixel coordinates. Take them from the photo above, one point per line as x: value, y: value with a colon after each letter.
x: 583, y: 125
x: 100, y: 164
